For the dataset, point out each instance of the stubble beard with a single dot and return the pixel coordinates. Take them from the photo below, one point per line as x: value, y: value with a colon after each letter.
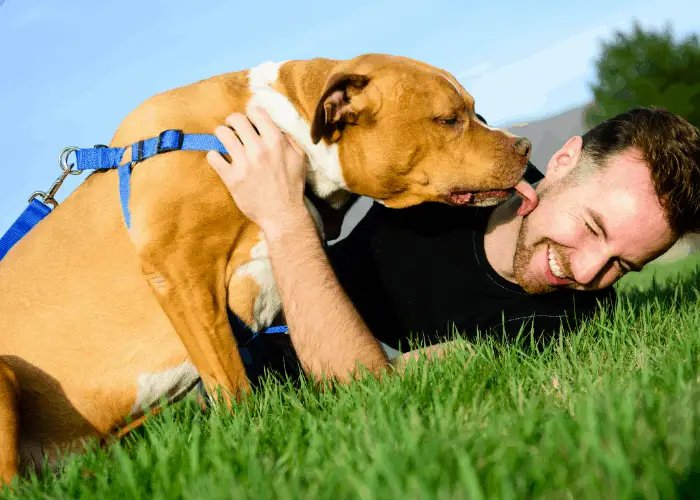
x: 523, y: 261
x: 523, y: 264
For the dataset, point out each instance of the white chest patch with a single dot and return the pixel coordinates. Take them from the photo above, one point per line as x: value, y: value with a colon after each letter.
x: 171, y: 384
x: 325, y: 172
x: 267, y: 303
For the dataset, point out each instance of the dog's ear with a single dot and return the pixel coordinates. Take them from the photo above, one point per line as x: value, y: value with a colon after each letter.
x: 337, y: 108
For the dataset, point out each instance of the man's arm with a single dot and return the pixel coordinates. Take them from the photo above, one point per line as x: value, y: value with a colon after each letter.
x: 327, y: 332
x: 266, y: 180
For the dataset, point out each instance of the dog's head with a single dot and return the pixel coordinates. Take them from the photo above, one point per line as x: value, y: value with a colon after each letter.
x: 407, y: 132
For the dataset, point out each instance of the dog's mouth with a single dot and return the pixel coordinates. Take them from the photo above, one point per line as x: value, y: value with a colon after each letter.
x: 480, y: 198
x: 494, y: 196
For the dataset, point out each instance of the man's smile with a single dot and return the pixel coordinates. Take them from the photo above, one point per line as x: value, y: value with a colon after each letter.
x: 553, y: 270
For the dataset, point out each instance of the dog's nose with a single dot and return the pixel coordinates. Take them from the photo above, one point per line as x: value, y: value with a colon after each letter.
x: 523, y: 146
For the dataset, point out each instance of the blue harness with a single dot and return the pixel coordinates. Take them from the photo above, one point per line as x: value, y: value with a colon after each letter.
x: 102, y: 157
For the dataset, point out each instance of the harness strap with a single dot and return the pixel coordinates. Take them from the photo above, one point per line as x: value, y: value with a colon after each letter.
x: 244, y: 334
x: 101, y: 158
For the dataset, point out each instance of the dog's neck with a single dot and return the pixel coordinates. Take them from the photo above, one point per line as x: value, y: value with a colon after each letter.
x: 291, y: 105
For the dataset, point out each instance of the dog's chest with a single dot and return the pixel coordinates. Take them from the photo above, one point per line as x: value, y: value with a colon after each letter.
x: 167, y: 385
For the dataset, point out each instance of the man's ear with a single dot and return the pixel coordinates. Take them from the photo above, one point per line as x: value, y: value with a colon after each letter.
x: 336, y: 108
x: 565, y: 159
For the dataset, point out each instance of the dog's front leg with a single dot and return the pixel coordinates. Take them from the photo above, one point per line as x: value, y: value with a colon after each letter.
x: 184, y: 240
x: 193, y: 295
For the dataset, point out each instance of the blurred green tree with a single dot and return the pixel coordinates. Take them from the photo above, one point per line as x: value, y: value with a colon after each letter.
x: 647, y: 68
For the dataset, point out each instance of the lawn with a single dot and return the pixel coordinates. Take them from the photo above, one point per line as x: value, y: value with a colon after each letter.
x: 612, y: 411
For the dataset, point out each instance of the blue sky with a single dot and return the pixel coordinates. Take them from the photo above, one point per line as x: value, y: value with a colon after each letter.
x: 70, y: 71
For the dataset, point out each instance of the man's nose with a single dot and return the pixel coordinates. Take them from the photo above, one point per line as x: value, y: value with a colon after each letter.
x: 587, y: 265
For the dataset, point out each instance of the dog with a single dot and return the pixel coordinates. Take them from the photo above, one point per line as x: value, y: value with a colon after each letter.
x: 100, y: 323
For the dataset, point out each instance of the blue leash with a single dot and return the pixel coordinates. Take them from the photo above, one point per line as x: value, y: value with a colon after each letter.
x: 30, y: 217
x: 102, y: 157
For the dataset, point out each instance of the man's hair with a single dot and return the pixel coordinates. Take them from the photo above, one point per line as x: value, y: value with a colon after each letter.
x: 669, y: 145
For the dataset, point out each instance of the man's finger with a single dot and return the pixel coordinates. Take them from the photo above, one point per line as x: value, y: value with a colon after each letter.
x: 226, y: 171
x: 246, y: 133
x: 231, y: 142
x: 268, y: 130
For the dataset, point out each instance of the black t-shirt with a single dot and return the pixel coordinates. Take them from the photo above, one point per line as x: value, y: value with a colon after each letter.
x: 420, y: 272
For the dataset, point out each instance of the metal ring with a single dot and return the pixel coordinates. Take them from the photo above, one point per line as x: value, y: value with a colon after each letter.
x: 42, y: 195
x: 63, y: 160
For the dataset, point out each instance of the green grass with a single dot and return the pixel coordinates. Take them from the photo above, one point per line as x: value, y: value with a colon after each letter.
x: 612, y: 411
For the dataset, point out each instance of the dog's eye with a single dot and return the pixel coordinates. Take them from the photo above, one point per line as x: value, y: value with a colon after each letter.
x: 450, y: 122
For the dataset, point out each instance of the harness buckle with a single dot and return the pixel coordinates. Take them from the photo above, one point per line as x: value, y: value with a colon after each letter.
x: 137, y: 152
x: 169, y: 140
x: 48, y: 197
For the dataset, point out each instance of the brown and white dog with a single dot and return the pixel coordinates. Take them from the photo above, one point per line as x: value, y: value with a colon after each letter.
x: 98, y: 323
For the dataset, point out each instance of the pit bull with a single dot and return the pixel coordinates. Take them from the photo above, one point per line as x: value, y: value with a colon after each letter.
x: 100, y: 323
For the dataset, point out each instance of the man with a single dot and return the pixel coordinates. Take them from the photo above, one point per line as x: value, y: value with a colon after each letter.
x: 610, y: 202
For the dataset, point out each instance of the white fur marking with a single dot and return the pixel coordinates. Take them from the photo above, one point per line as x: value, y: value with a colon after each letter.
x: 172, y: 384
x: 325, y: 171
x: 267, y: 303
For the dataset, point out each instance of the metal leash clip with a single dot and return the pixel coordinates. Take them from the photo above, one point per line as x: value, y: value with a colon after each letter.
x: 48, y: 197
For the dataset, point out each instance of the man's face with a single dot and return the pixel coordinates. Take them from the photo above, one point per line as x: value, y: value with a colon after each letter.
x: 586, y: 235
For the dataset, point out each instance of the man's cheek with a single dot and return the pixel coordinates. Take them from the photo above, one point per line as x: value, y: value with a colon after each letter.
x: 565, y: 232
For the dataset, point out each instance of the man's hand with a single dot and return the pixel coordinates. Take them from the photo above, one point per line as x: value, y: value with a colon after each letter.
x: 266, y: 173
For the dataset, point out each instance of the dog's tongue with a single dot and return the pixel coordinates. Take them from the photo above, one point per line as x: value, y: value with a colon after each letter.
x: 529, y: 195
